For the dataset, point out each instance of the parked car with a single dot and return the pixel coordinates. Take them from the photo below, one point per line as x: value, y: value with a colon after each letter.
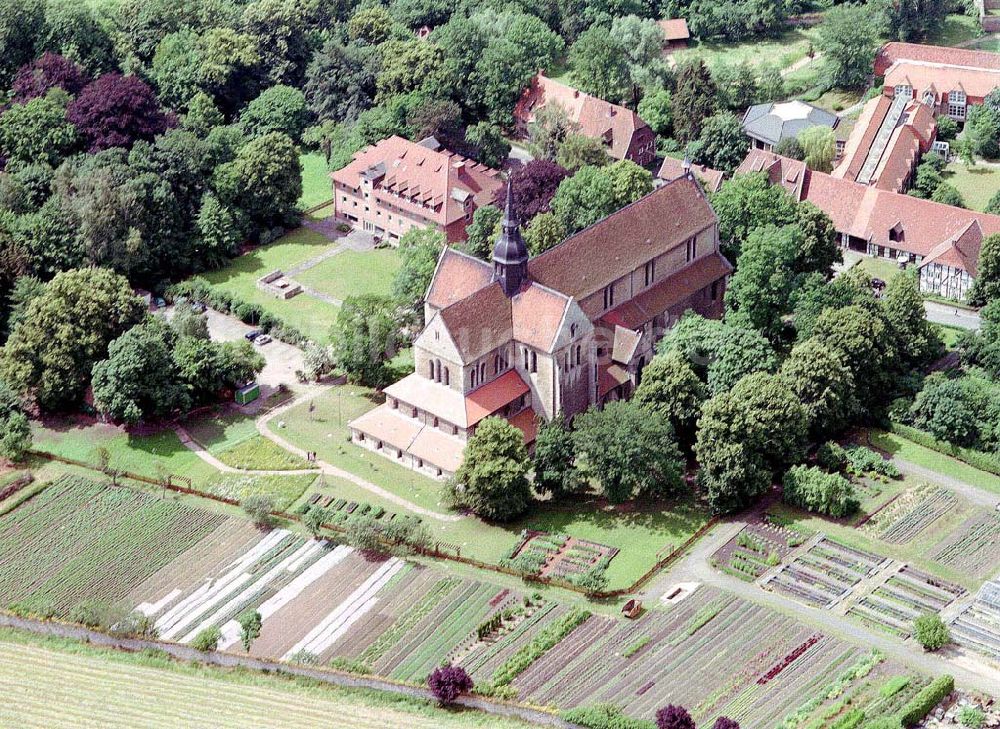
x: 198, y: 307
x: 252, y: 335
x: 262, y: 340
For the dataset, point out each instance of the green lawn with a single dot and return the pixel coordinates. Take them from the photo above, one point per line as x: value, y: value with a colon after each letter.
x: 976, y: 184
x: 641, y: 533
x: 991, y: 44
x: 316, y: 186
x: 836, y: 100
x: 881, y: 268
x: 354, y: 273
x: 309, y: 315
x: 956, y: 29
x: 781, y: 52
x: 900, y: 447
x: 949, y: 334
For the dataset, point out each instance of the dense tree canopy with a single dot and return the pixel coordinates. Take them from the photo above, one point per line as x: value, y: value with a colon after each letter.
x: 492, y: 480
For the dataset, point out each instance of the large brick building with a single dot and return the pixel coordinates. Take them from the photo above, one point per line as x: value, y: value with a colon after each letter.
x: 948, y: 80
x: 570, y: 328
x: 942, y: 241
x: 395, y: 185
x: 623, y: 132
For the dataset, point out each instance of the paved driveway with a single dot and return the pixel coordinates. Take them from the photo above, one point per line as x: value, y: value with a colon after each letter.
x: 282, y: 360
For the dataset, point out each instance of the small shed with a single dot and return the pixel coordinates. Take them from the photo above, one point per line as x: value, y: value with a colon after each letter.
x: 632, y: 608
x: 675, y: 33
x: 248, y: 393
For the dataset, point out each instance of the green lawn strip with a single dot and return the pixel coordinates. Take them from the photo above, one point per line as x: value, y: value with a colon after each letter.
x: 258, y: 453
x: 295, y: 689
x: 354, y: 273
x: 549, y: 638
x: 285, y: 490
x: 897, y: 445
x: 219, y: 431
x: 316, y: 185
x: 782, y: 52
x: 309, y: 315
x: 144, y: 455
x: 977, y: 185
x: 882, y: 268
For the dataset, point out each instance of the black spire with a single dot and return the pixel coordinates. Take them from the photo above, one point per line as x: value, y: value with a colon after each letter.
x: 510, y: 254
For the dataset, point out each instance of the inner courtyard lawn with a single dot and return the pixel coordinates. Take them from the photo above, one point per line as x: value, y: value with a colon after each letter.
x: 977, y: 185
x: 781, y: 52
x: 353, y: 273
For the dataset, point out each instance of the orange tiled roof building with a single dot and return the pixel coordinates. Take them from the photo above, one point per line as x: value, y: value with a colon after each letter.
x: 943, y: 241
x: 532, y: 339
x: 395, y: 185
x: 623, y: 132
x: 946, y: 79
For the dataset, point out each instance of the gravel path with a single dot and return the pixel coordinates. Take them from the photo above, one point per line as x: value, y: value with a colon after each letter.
x: 976, y: 495
x: 332, y: 470
x: 695, y: 567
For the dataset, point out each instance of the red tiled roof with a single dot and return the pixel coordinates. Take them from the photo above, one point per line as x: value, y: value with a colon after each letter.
x: 975, y: 82
x: 457, y: 276
x: 489, y: 398
x: 870, y: 213
x: 420, y: 180
x: 789, y: 173
x: 600, y: 119
x: 615, y: 246
x: 527, y: 422
x: 609, y: 377
x: 480, y: 322
x: 537, y: 313
x: 675, y: 29
x: 892, y: 52
x: 672, y: 168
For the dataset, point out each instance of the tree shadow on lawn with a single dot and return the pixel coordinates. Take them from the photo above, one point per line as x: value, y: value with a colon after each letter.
x: 662, y: 518
x: 251, y: 260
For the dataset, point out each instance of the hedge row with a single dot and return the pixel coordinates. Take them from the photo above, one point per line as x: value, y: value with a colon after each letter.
x: 924, y: 702
x: 198, y: 289
x: 604, y: 716
x: 977, y: 459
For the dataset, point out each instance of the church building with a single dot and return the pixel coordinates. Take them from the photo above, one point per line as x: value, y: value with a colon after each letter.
x: 551, y: 336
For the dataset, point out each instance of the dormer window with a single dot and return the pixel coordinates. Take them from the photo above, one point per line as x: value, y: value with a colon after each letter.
x: 896, y: 233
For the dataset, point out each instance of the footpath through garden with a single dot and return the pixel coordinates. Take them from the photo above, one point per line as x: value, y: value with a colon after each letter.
x: 330, y: 469
x: 696, y: 567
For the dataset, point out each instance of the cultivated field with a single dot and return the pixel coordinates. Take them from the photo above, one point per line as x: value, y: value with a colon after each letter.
x: 50, y: 683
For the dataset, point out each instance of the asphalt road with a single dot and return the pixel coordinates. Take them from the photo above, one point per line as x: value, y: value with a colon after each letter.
x: 953, y: 316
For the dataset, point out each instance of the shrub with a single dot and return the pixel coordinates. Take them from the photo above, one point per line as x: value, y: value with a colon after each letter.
x: 824, y: 493
x: 604, y: 716
x: 207, y: 639
x: 674, y: 717
x: 931, y: 632
x: 864, y: 460
x: 448, y: 682
x: 924, y: 702
x: 259, y: 507
x: 831, y: 457
x: 724, y: 722
x: 972, y: 717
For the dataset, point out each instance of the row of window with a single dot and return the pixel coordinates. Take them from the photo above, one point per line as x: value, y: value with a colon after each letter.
x: 649, y: 271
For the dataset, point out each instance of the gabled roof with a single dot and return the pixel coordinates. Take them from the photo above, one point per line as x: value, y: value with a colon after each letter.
x: 673, y: 168
x: 588, y: 261
x: 893, y: 52
x: 912, y: 135
x: 789, y: 173
x: 675, y: 29
x: 773, y: 122
x: 495, y: 394
x: 420, y: 178
x: 457, y: 276
x: 975, y: 82
x: 626, y: 342
x: 923, y: 227
x: 599, y: 119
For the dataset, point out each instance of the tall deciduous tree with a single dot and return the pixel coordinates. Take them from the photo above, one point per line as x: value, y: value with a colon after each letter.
x: 264, y: 180
x: 140, y: 378
x: 545, y: 231
x: 116, y: 111
x: 630, y: 451
x: 987, y: 285
x: 277, y: 109
x: 848, y: 39
x: 747, y: 202
x: 48, y: 71
x: 674, y: 717
x: 64, y: 332
x: 670, y: 386
x: 916, y: 341
x: 823, y: 384
x: 365, y: 337
x: 419, y: 250
x: 38, y: 131
x: 554, y: 459
x: 15, y: 432
x: 722, y: 144
x: 819, y: 145
x: 533, y: 187
x: 492, y: 480
x: 340, y: 81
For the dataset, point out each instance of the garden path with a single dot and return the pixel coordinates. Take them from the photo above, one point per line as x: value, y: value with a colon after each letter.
x: 332, y: 470
x: 695, y: 567
x: 801, y: 63
x: 976, y: 495
x: 199, y: 450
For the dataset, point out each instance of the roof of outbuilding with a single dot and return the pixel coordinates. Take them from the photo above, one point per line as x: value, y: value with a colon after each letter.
x: 674, y: 29
x: 773, y: 122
